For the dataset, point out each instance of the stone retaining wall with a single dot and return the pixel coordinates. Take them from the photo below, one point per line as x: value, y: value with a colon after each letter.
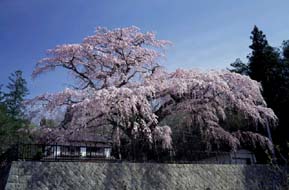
x: 134, y: 176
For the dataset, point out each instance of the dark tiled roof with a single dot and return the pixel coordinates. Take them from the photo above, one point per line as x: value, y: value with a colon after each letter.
x: 87, y: 137
x: 81, y: 137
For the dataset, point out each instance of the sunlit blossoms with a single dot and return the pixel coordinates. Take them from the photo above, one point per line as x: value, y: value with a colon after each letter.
x: 108, y: 58
x: 120, y: 85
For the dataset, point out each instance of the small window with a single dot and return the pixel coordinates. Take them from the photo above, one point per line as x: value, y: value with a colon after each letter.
x: 83, y: 151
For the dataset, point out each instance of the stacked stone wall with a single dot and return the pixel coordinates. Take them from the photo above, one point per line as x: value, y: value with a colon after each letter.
x: 147, y: 176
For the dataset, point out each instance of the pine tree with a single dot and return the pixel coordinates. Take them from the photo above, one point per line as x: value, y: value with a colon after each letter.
x: 11, y: 116
x: 239, y: 67
x: 17, y: 91
x: 264, y: 59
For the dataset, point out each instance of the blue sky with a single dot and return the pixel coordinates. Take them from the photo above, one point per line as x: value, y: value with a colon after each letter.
x: 207, y: 34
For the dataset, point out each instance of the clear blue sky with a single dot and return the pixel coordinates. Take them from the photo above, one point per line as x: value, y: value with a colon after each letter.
x: 207, y: 34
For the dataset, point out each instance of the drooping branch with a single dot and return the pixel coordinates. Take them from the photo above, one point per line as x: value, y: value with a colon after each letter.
x: 252, y: 140
x: 208, y: 99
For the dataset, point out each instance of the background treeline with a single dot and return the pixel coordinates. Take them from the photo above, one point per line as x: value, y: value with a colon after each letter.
x: 270, y: 66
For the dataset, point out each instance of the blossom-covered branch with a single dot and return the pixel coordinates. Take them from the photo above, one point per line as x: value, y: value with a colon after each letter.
x: 108, y: 58
x: 107, y: 66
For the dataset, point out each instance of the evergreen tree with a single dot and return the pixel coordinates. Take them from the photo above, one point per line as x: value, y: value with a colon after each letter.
x: 17, y: 91
x: 264, y: 59
x: 239, y: 67
x: 13, y: 127
x: 264, y: 65
x: 280, y: 100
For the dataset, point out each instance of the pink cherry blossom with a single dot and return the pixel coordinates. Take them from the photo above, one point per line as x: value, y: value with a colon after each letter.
x: 120, y: 85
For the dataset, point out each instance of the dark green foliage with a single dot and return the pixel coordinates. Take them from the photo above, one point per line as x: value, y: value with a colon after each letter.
x: 12, y: 130
x: 239, y: 67
x: 257, y: 59
x: 263, y: 62
x: 264, y: 59
x: 14, y: 127
x: 17, y: 91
